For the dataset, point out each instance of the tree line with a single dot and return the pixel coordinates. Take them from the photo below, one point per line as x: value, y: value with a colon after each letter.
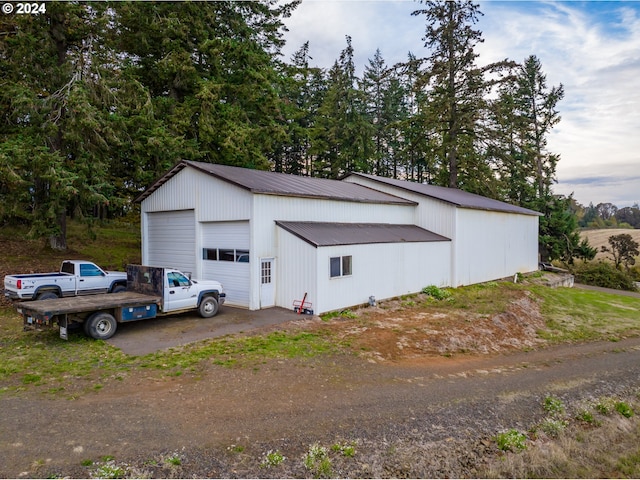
x: 607, y: 215
x: 98, y: 99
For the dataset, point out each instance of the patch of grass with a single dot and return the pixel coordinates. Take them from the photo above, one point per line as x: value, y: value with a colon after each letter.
x: 43, y: 360
x: 598, y: 450
x: 436, y: 292
x: 629, y: 465
x: 110, y: 244
x: 587, y: 417
x: 554, y: 406
x: 624, y: 409
x: 338, y: 314
x: 272, y: 459
x: 486, y: 298
x: 109, y: 469
x: 345, y: 449
x: 606, y: 405
x: 573, y: 314
x: 511, y: 440
x: 317, y: 461
x: 173, y: 460
x: 553, y: 427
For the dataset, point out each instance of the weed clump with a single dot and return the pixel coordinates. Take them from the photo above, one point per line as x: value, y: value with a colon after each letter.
x: 511, y: 440
x: 436, y: 292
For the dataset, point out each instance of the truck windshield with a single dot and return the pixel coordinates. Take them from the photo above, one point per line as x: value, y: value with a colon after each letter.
x: 177, y: 280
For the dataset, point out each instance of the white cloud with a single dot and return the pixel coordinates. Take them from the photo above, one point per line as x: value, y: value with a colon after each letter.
x: 592, y: 48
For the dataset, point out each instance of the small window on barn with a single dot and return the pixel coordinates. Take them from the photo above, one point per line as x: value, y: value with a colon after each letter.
x: 242, y: 256
x: 340, y: 266
x: 210, y: 254
x: 226, y: 255
x: 346, y: 265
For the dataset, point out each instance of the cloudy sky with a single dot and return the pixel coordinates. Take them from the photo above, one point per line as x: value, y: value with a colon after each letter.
x: 592, y: 48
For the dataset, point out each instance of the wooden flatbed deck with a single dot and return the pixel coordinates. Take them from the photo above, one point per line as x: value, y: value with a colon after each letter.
x: 87, y: 303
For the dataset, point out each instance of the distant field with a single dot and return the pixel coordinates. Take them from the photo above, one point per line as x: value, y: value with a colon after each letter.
x: 600, y: 237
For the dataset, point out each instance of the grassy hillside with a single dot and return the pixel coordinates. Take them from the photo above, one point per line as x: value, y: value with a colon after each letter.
x: 598, y: 238
x: 112, y: 245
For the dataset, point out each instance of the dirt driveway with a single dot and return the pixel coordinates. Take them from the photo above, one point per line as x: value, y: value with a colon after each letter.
x: 432, y: 417
x: 140, y: 338
x: 411, y: 408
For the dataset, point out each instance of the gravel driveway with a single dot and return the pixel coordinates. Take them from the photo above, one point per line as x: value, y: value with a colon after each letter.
x: 431, y: 417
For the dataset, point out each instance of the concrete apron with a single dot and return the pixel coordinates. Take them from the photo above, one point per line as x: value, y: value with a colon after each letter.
x: 148, y: 336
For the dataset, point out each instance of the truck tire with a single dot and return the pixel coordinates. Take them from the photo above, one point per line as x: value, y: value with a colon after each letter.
x: 118, y: 289
x: 100, y: 326
x: 208, y: 307
x: 49, y: 295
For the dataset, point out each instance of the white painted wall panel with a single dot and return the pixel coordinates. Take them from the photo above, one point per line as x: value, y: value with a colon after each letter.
x: 176, y: 194
x: 382, y: 270
x: 171, y: 240
x: 215, y: 199
x: 493, y: 245
x: 269, y: 208
x: 295, y: 270
x: 431, y: 214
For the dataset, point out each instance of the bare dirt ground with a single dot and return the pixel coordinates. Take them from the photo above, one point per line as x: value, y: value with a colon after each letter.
x: 408, y: 404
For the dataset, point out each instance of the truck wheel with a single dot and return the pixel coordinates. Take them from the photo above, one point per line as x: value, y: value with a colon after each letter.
x: 100, y: 326
x: 208, y: 307
x: 47, y: 295
x: 118, y: 289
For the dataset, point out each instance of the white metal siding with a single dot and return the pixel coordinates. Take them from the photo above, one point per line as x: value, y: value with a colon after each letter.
x: 213, y: 199
x: 234, y: 276
x: 296, y: 270
x: 493, y: 245
x: 382, y: 270
x: 431, y: 214
x: 171, y: 240
x: 269, y: 208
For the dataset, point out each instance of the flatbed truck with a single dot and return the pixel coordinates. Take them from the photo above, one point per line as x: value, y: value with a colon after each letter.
x: 151, y: 292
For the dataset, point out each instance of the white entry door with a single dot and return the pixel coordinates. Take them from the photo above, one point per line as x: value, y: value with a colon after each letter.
x: 267, y: 282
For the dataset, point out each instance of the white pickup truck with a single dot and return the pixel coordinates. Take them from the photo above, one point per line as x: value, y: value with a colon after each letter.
x: 151, y: 292
x: 76, y: 277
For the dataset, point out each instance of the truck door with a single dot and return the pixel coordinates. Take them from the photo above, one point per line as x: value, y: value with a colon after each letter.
x: 180, y: 293
x: 91, y: 280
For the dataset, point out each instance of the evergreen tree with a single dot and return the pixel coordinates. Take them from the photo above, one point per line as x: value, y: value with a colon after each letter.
x: 210, y: 72
x: 559, y: 238
x: 385, y: 99
x: 56, y: 103
x: 342, y: 134
x: 419, y: 142
x: 537, y: 109
x: 303, y: 89
x: 456, y: 85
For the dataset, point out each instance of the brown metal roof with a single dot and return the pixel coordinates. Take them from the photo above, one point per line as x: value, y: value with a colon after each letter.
x: 324, y: 234
x: 454, y: 196
x: 272, y: 183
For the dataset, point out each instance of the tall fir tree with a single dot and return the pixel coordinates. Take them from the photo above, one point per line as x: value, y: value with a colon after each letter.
x: 456, y: 85
x: 56, y: 129
x: 342, y: 135
x: 302, y: 93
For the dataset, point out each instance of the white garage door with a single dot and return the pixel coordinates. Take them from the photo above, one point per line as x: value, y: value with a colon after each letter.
x: 171, y: 240
x: 226, y: 258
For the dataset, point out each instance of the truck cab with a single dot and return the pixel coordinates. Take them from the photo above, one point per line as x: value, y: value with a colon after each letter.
x: 183, y: 293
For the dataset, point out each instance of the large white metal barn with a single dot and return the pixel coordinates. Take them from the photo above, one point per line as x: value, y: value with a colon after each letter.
x: 272, y: 238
